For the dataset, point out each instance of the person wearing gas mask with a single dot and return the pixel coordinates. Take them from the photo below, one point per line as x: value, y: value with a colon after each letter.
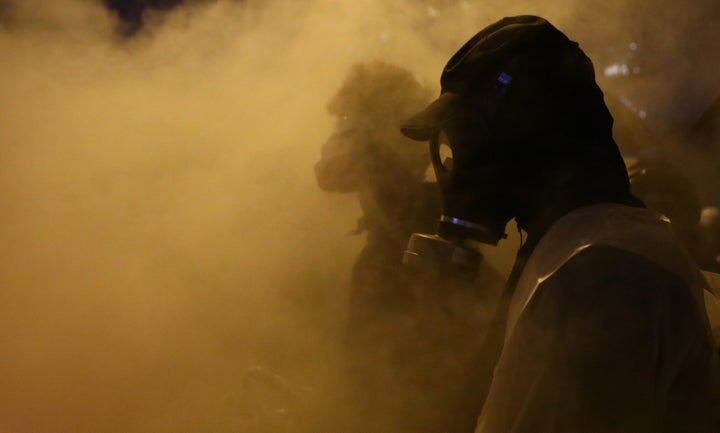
x: 409, y: 331
x: 601, y: 327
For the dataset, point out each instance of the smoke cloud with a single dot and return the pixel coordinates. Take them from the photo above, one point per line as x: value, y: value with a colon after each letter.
x: 160, y: 227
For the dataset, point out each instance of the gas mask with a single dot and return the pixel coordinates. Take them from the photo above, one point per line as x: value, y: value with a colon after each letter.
x: 478, y: 201
x: 477, y: 185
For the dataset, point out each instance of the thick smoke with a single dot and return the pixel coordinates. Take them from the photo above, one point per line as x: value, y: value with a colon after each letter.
x: 161, y: 227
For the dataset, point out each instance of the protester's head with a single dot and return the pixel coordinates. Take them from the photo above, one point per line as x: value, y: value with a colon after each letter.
x: 527, y: 125
x: 377, y: 95
x: 369, y: 108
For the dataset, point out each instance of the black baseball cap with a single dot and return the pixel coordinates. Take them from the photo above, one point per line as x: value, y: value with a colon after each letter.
x: 482, y: 57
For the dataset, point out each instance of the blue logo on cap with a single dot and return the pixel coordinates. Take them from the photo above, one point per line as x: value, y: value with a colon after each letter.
x: 504, y: 78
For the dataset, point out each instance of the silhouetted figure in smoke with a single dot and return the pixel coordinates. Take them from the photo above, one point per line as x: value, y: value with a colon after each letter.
x: 602, y: 326
x: 409, y: 333
x: 665, y: 188
x: 702, y: 143
x: 686, y: 190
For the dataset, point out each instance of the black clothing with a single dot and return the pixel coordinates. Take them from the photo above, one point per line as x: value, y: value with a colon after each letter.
x: 412, y: 335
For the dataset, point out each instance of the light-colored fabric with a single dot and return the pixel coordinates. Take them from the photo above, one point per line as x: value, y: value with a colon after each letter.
x: 622, y: 352
x: 633, y: 229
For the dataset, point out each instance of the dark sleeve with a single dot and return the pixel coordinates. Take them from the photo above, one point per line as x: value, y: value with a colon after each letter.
x: 595, y: 349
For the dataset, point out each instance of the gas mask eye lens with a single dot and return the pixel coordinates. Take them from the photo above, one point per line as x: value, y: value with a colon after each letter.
x: 441, y: 153
x: 445, y: 152
x: 441, y: 156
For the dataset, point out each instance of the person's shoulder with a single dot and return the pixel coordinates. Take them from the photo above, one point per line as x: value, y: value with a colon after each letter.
x: 608, y: 285
x: 614, y: 278
x: 608, y: 262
